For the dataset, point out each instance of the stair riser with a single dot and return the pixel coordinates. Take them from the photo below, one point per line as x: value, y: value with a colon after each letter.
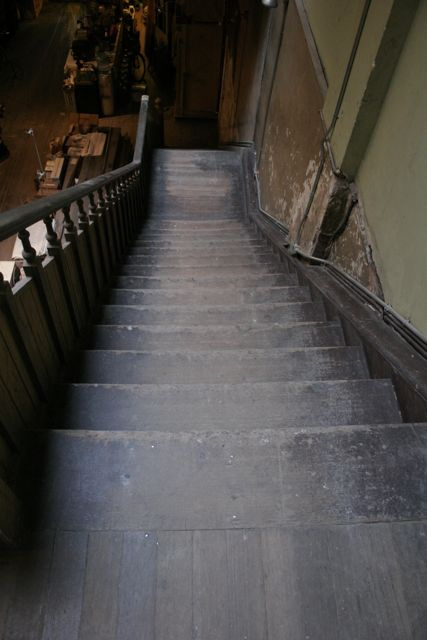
x: 199, y: 315
x: 209, y: 297
x: 256, y: 406
x: 196, y: 338
x: 110, y: 367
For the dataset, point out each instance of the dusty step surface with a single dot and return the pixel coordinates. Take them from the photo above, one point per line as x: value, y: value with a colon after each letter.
x: 190, y: 270
x: 190, y: 209
x: 207, y: 296
x: 192, y: 367
x: 207, y: 280
x: 233, y: 407
x: 203, y: 224
x: 198, y: 244
x: 212, y: 314
x: 185, y: 235
x: 219, y: 480
x: 203, y: 260
x: 207, y: 249
x: 194, y: 337
x: 366, y: 580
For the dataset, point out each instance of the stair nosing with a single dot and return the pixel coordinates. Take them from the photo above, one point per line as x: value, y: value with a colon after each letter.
x: 231, y: 307
x: 156, y: 434
x: 288, y: 383
x: 207, y: 289
x: 227, y: 352
x: 218, y: 326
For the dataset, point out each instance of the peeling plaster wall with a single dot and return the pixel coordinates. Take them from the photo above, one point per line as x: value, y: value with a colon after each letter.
x: 352, y: 251
x: 291, y: 146
x: 384, y: 245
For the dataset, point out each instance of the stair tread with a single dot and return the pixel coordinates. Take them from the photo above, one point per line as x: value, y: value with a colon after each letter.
x: 195, y: 337
x: 208, y: 248
x: 187, y: 259
x: 218, y: 480
x: 208, y: 314
x: 242, y: 365
x: 219, y: 235
x: 167, y: 245
x: 207, y: 280
x: 238, y: 406
x: 240, y: 269
x: 200, y: 295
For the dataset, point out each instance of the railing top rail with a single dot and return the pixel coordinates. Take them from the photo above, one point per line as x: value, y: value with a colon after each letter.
x: 14, y: 220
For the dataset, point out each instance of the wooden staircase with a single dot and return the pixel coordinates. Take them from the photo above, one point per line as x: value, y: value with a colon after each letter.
x: 219, y: 464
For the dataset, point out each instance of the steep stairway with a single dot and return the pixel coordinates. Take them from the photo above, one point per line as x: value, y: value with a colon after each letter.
x: 219, y: 463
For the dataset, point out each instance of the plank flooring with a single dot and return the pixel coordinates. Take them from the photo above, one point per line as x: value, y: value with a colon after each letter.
x: 354, y: 581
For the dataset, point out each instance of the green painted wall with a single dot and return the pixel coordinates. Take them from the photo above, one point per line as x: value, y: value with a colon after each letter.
x: 393, y: 177
x: 334, y: 24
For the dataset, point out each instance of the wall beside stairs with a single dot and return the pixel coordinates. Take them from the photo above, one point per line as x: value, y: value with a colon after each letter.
x: 377, y: 135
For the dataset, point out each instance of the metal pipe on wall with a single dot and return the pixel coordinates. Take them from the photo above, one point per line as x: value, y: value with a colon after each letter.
x: 331, y: 128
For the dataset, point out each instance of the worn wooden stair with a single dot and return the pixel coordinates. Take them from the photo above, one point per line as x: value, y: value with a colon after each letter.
x: 219, y: 463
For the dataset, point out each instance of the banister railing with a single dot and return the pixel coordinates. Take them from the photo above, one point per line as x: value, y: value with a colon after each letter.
x: 43, y: 316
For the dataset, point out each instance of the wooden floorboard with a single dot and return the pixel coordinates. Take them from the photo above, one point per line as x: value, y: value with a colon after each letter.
x: 174, y: 589
x: 329, y: 582
x: 66, y: 585
x: 137, y: 587
x: 100, y: 610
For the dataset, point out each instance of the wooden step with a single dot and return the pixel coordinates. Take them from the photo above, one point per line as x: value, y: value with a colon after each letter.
x: 230, y: 295
x: 187, y: 259
x: 190, y: 271
x: 195, y: 337
x: 199, y: 314
x: 228, y: 407
x: 218, y: 280
x: 98, y: 480
x: 233, y: 366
